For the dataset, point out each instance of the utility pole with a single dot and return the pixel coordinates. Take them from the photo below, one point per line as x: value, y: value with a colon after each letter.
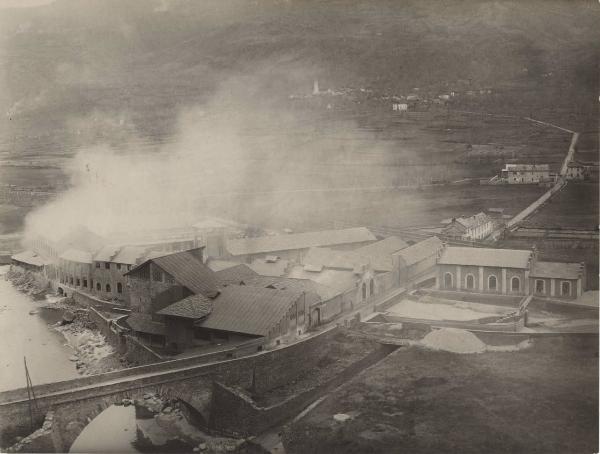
x: 30, y: 395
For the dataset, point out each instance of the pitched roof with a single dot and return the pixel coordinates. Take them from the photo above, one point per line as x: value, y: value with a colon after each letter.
x: 338, y: 280
x: 235, y: 274
x: 305, y: 240
x: 505, y: 258
x: 287, y: 283
x: 106, y: 253
x: 249, y: 310
x: 144, y: 323
x: 130, y: 255
x: 378, y: 255
x: 419, y: 251
x: 473, y: 221
x: 556, y: 270
x: 526, y: 167
x: 194, y: 307
x: 187, y: 270
x: 31, y: 258
x: 264, y: 268
x: 76, y: 255
x: 218, y: 265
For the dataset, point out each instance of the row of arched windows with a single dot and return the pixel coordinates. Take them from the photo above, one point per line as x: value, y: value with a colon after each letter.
x: 492, y: 282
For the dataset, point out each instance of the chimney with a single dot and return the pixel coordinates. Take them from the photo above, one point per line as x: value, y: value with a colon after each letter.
x: 315, y: 87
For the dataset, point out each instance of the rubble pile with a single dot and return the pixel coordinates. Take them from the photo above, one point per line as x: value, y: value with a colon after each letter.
x: 93, y: 355
x: 38, y: 441
x: 27, y: 282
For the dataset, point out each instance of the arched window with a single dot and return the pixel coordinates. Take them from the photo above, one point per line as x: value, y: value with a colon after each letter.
x: 515, y: 284
x: 448, y: 280
x: 364, y: 291
x: 108, y: 288
x: 85, y: 283
x: 470, y: 281
x: 540, y: 286
x: 371, y: 287
x: 98, y: 286
x: 71, y: 280
x: 565, y: 288
x: 119, y: 287
x: 77, y: 282
x: 492, y: 282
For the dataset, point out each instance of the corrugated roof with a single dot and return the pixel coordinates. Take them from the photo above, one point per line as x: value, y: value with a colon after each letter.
x: 31, y: 258
x: 235, y: 274
x: 194, y: 307
x: 76, y: 255
x: 249, y: 310
x: 505, y: 258
x: 298, y: 241
x: 188, y: 271
x: 556, y: 270
x: 380, y: 253
x: 143, y: 323
x: 218, y: 265
x: 420, y: 251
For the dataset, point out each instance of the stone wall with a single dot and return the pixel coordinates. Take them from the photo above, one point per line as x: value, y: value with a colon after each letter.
x: 234, y: 412
x: 261, y: 372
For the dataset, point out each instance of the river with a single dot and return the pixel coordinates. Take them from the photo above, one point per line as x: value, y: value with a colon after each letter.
x: 30, y: 336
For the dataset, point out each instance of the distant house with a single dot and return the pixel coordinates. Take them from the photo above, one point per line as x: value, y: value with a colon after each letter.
x: 582, y: 171
x: 399, y: 106
x: 474, y: 227
x: 558, y: 280
x: 294, y: 246
x: 525, y: 173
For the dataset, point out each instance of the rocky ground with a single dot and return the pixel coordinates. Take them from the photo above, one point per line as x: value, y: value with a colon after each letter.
x: 92, y: 354
x: 28, y: 282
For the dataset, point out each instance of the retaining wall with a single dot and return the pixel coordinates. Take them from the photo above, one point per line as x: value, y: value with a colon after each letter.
x: 234, y: 412
x: 260, y: 372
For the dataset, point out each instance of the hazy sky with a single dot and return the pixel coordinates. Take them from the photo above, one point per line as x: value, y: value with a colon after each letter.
x: 22, y: 3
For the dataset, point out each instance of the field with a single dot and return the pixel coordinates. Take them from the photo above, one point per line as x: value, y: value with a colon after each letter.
x: 576, y: 206
x: 542, y: 399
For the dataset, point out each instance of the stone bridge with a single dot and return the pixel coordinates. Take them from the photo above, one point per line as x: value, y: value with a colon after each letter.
x: 76, y: 402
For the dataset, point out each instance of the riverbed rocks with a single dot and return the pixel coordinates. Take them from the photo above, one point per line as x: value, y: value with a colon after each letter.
x: 28, y: 282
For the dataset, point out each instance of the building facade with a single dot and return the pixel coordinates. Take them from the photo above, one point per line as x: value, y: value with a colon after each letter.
x: 474, y: 227
x: 525, y: 173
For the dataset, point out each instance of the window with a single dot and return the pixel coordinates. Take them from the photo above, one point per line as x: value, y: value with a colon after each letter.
x: 77, y: 282
x: 364, y: 291
x: 98, y: 286
x: 119, y: 287
x: 128, y: 267
x: 448, y: 280
x: 565, y: 288
x: 540, y: 285
x: 71, y: 280
x: 371, y: 287
x: 470, y: 281
x: 107, y: 288
x: 97, y: 264
x: 118, y: 266
x: 156, y: 274
x: 492, y: 282
x: 515, y: 284
x: 107, y: 265
x: 85, y: 283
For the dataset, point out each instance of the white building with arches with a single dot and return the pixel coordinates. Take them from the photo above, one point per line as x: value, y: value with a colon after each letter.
x: 507, y: 272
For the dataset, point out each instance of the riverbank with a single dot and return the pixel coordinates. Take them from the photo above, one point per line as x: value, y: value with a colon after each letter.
x: 55, y: 334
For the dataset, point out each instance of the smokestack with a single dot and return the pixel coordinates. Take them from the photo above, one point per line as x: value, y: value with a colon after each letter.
x: 315, y: 87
